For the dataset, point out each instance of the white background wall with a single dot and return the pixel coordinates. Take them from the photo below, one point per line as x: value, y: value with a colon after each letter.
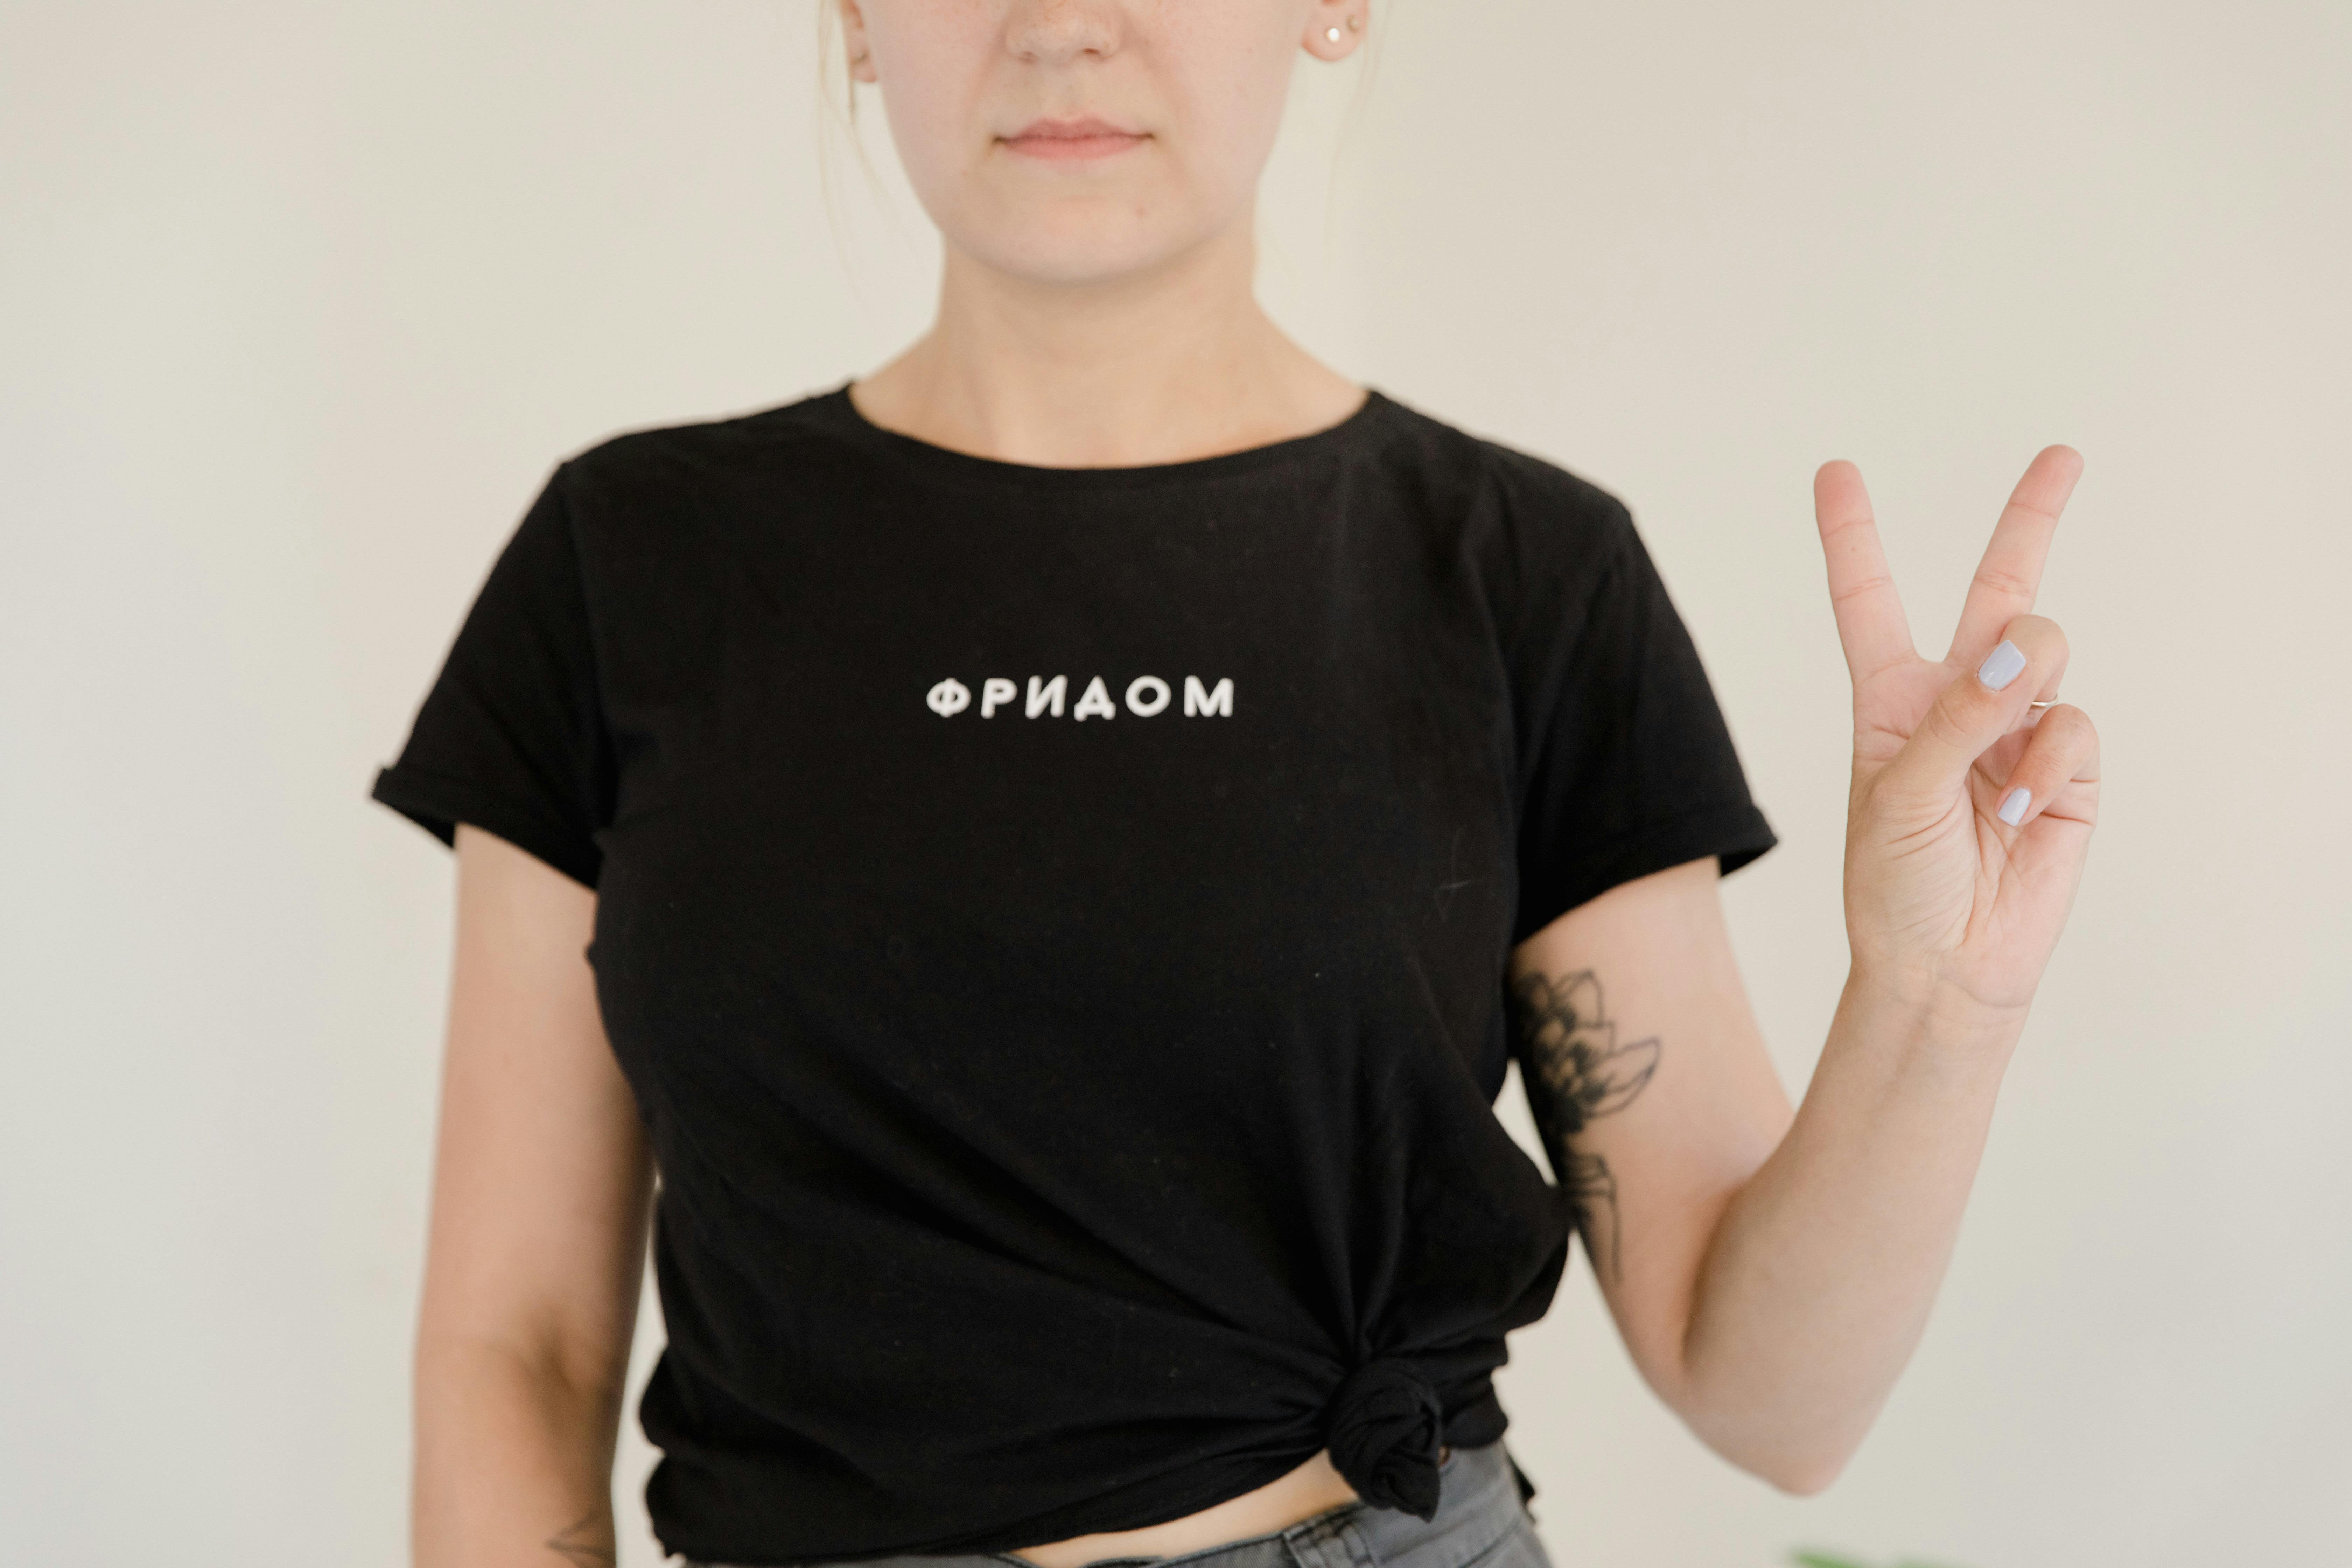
x: 298, y: 304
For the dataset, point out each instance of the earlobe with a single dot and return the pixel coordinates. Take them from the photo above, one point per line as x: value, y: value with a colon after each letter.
x: 1333, y: 33
x: 852, y: 38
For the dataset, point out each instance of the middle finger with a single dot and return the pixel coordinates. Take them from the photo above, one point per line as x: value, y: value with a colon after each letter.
x: 2011, y: 573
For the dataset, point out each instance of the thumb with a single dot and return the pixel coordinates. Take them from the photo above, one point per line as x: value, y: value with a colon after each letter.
x: 1979, y: 707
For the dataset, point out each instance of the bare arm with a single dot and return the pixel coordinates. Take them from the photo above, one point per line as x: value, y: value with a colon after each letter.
x: 1771, y: 1271
x: 540, y: 1191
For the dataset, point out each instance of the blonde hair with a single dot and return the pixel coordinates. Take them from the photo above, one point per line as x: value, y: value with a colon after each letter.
x: 829, y: 56
x: 836, y: 121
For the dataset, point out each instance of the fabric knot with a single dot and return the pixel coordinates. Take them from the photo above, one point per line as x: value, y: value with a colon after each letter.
x: 1385, y: 1423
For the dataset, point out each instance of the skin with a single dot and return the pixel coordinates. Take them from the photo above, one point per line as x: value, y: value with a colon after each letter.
x: 1095, y: 312
x: 1770, y: 1268
x: 542, y: 1190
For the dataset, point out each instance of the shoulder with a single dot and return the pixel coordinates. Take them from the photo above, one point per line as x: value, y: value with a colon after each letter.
x: 1527, y: 490
x: 643, y: 515
x: 709, y: 457
x: 1531, y: 523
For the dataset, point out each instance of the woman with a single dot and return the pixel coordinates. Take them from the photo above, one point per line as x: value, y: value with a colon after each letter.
x: 1048, y: 849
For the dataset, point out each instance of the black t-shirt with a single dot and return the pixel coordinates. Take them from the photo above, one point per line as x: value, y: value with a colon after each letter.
x: 1054, y: 924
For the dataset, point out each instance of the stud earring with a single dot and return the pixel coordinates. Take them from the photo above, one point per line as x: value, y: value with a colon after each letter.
x: 1355, y: 22
x: 1332, y: 35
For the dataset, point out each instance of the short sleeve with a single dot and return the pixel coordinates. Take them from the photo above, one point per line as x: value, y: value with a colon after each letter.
x: 1626, y: 763
x: 511, y: 736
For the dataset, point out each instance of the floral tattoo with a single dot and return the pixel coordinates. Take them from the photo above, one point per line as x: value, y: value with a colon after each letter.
x: 1574, y: 1070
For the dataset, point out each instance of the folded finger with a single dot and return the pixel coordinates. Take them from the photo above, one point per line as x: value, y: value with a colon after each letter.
x: 2064, y: 750
x: 1980, y: 706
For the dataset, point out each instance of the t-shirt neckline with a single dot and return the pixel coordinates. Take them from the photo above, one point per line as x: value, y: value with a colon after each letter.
x: 950, y: 463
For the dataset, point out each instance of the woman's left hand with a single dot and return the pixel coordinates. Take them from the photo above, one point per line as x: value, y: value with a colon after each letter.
x: 1970, y: 812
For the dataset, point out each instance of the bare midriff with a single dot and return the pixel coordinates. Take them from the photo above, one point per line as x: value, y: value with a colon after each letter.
x: 1305, y: 1493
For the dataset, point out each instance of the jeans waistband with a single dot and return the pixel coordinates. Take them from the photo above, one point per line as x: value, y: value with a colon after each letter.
x: 1482, y: 1498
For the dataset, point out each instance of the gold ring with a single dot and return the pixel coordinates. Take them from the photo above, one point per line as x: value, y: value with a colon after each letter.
x: 2052, y: 702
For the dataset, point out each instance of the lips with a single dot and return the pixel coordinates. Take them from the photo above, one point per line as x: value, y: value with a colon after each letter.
x: 1068, y: 139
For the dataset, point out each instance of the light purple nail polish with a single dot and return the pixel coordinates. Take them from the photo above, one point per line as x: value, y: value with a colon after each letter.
x: 2012, y: 810
x: 2001, y: 665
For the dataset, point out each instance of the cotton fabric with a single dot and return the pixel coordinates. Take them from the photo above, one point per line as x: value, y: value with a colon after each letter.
x: 1055, y: 922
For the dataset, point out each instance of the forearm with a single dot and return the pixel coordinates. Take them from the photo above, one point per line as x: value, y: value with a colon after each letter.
x: 513, y: 1462
x: 1821, y: 1269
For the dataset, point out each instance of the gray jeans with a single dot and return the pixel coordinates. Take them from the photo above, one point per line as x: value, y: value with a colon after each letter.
x: 1482, y: 1522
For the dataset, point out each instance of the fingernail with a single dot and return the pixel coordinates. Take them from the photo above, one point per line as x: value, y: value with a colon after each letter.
x: 2012, y: 810
x: 2001, y: 665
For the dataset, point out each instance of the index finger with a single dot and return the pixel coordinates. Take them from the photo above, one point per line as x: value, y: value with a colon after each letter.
x: 1870, y: 619
x: 2011, y: 573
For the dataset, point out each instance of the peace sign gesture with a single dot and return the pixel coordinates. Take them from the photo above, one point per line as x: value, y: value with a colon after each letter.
x: 1971, y: 809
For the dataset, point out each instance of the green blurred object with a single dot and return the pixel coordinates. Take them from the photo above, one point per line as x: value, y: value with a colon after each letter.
x: 1821, y: 1559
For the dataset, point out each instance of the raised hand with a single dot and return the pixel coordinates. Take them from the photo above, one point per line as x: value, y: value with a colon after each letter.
x: 1972, y: 811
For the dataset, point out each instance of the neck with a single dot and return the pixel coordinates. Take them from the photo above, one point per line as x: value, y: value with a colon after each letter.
x: 1158, y: 365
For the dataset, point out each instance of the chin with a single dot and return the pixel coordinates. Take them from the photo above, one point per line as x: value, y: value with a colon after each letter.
x: 1073, y: 249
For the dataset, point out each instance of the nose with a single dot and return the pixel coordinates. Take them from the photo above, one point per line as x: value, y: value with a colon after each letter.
x: 1056, y: 32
